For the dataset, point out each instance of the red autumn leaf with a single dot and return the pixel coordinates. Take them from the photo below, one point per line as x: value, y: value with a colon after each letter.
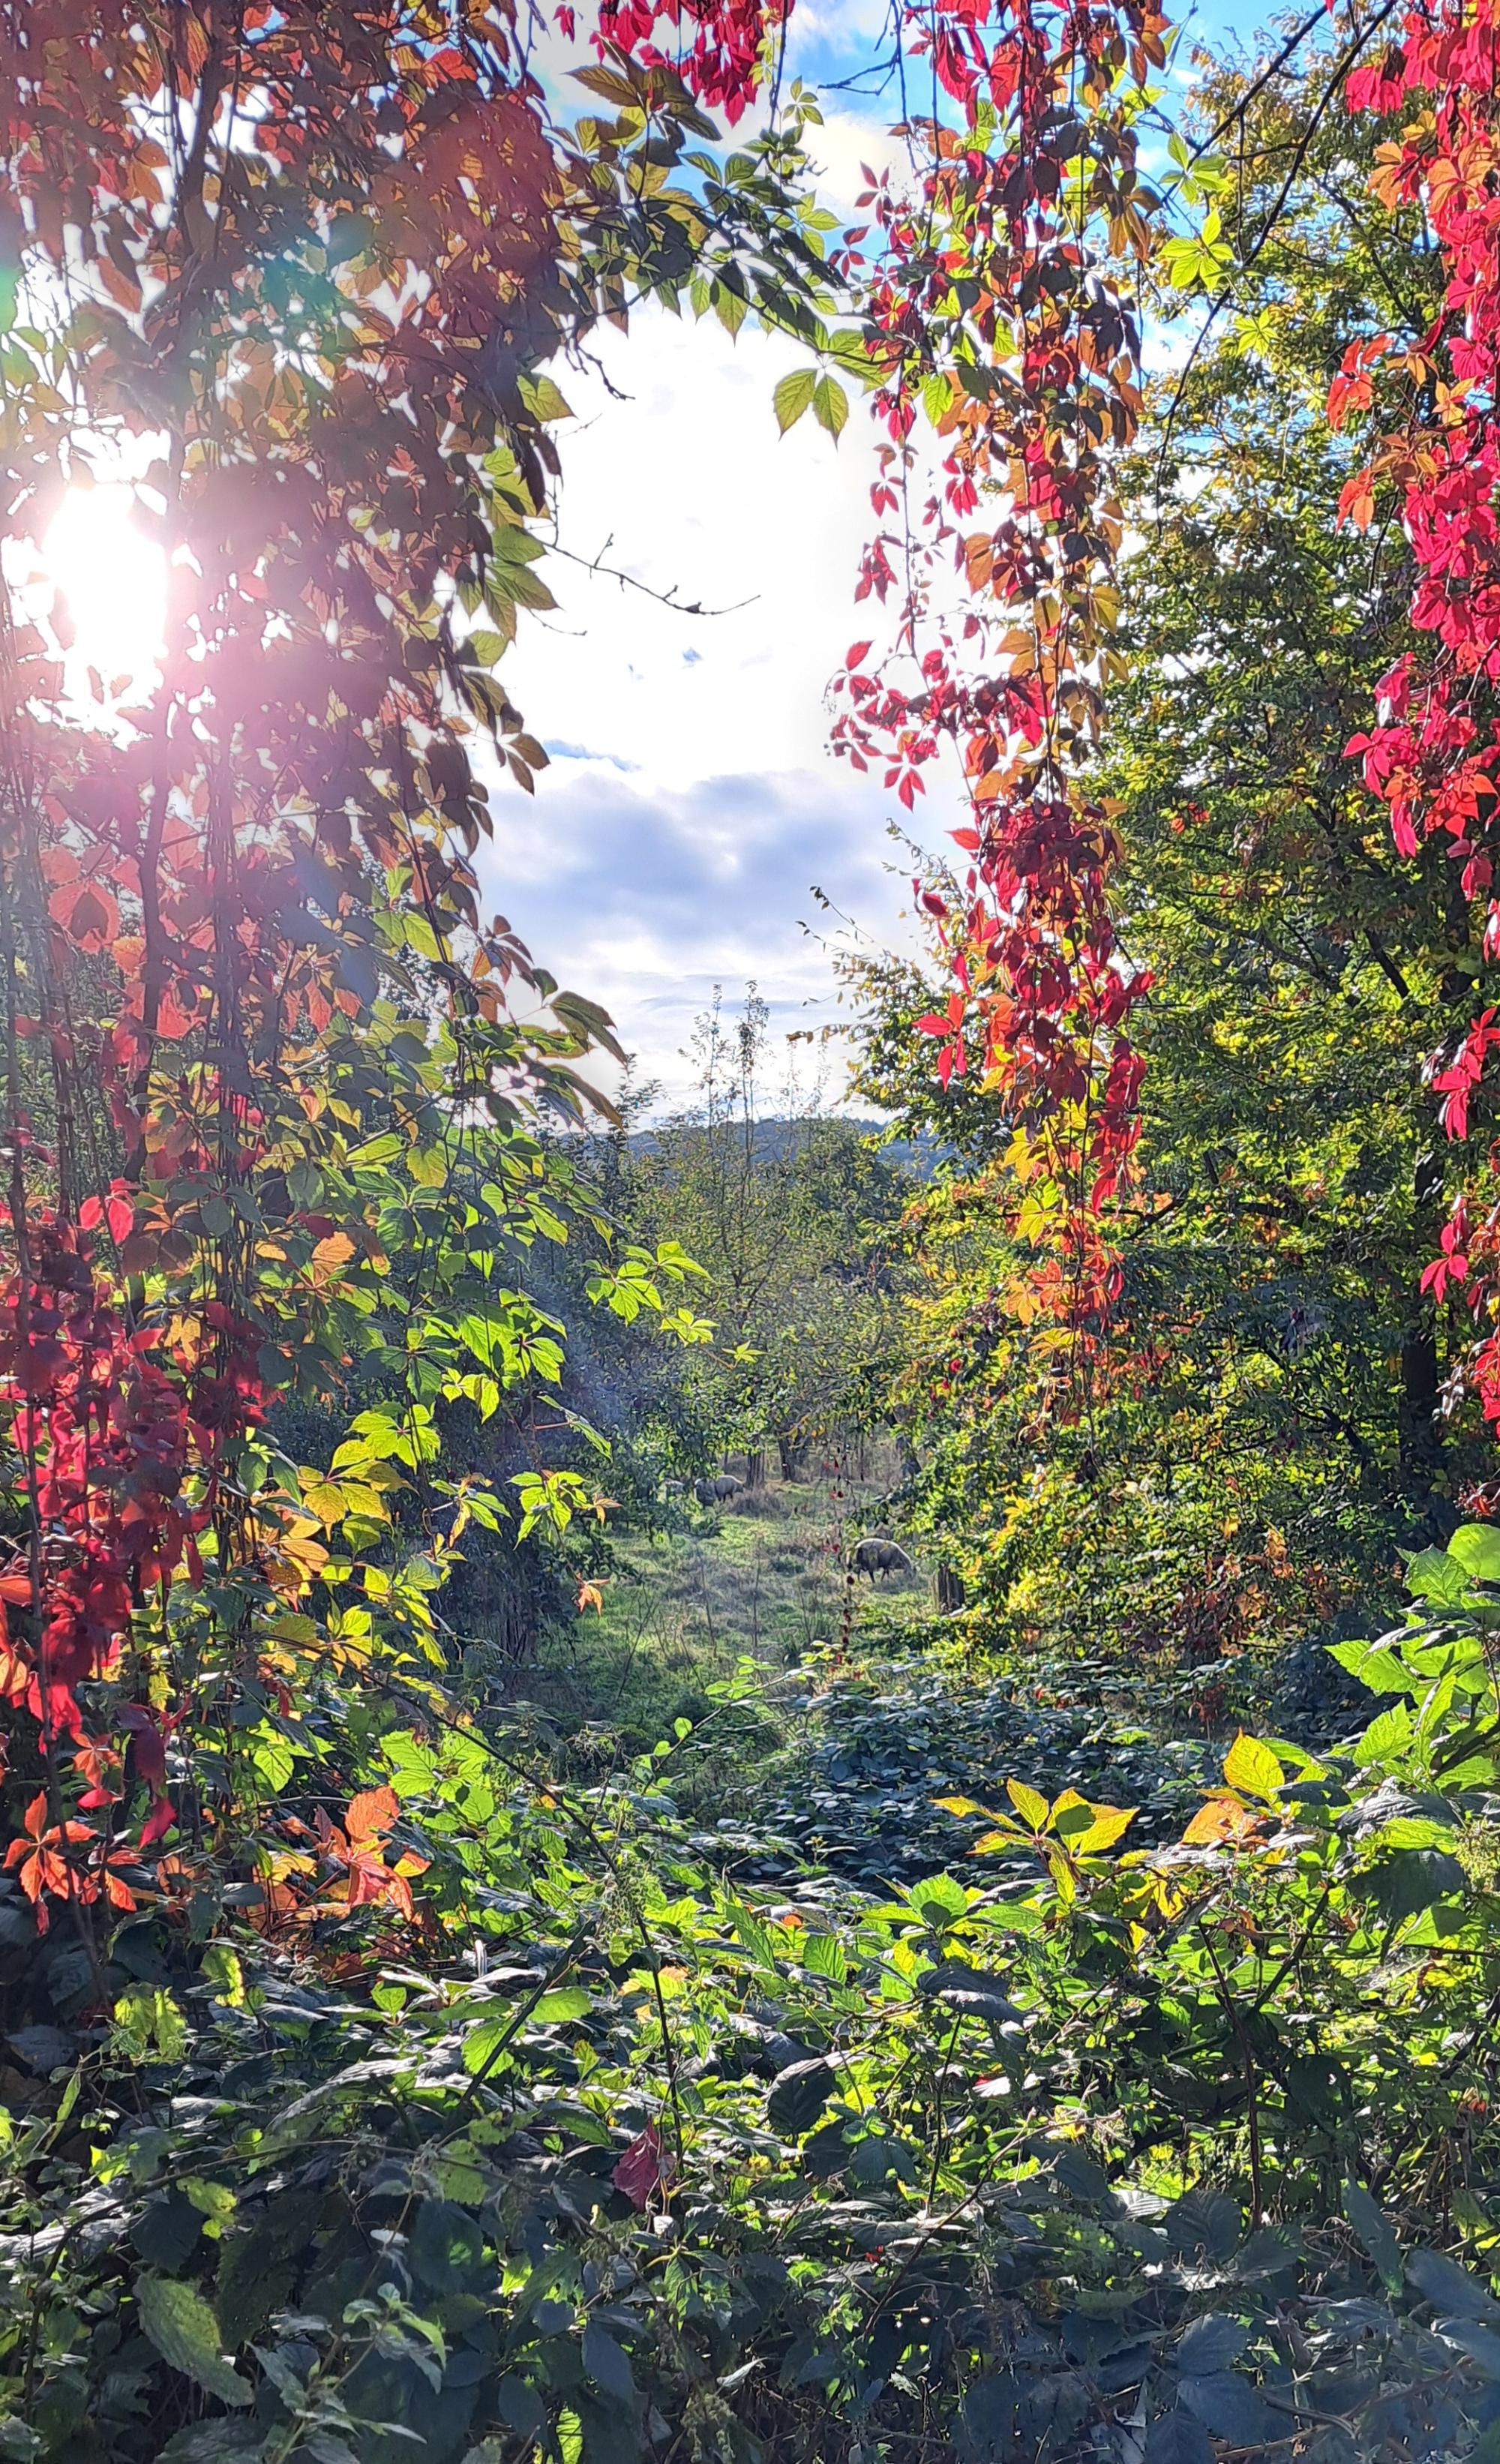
x: 87, y: 913
x: 644, y: 2169
x: 158, y: 1822
x: 148, y: 1745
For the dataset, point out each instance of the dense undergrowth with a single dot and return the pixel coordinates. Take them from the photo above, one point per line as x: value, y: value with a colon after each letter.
x: 521, y: 2116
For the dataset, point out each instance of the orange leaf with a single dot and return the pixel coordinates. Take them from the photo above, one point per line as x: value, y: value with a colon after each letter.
x: 1222, y: 1819
x: 372, y: 1813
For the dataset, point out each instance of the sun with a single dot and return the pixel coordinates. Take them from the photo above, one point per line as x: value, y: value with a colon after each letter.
x: 110, y: 579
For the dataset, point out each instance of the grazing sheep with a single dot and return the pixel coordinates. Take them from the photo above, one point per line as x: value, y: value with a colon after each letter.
x: 882, y: 1556
x: 720, y: 1491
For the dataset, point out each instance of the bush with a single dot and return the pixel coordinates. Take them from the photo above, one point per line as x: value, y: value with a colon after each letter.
x: 507, y: 2114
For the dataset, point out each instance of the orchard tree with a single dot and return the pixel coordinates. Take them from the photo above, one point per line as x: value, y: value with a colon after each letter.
x: 794, y: 1221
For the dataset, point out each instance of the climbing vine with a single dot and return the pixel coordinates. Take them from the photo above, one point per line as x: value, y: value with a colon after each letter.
x: 287, y: 277
x: 1001, y: 304
x: 1433, y: 754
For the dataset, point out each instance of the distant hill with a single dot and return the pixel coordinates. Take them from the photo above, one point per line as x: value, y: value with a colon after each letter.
x: 771, y: 1138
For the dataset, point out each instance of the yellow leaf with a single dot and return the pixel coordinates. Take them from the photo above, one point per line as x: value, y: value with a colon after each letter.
x: 1085, y: 1829
x: 1032, y: 1807
x: 1252, y: 1768
x: 961, y: 1805
x: 994, y: 1841
x: 324, y: 1499
x: 1111, y: 1822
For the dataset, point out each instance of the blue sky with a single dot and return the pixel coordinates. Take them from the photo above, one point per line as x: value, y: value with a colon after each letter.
x: 692, y: 803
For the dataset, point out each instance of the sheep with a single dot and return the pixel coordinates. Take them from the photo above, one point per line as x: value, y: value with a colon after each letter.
x: 880, y: 1555
x: 720, y: 1491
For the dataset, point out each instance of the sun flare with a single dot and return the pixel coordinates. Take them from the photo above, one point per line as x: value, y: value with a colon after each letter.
x: 110, y: 580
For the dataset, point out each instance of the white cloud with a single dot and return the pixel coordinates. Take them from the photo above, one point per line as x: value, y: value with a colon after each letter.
x: 847, y: 141
x: 644, y: 897
x: 692, y: 802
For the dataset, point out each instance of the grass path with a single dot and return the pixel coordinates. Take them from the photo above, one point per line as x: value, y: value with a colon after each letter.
x: 761, y: 1581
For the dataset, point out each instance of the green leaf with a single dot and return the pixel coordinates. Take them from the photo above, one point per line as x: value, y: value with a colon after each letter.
x: 257, y: 2267
x: 798, y: 2096
x: 941, y: 1892
x: 542, y: 399
x: 147, y: 2024
x: 1177, y: 2438
x: 510, y: 584
x: 823, y: 1956
x: 1385, y: 1737
x: 180, y: 2324
x: 1374, y: 1664
x: 564, y: 2002
x: 970, y: 1992
x: 1086, y: 1829
x: 1232, y: 2408
x: 1212, y: 2343
x: 1448, y: 2286
x: 1481, y: 2344
x: 482, y: 2043
x: 168, y: 2230
x: 793, y: 396
x: 1432, y: 1575
x: 1476, y: 1548
x: 831, y: 405
x: 218, y: 2441
x: 756, y: 1938
x: 731, y: 310
x: 1414, y: 1878
x: 517, y: 2404
x: 608, y: 2363
x: 445, y: 2247
x: 1415, y: 1831
x: 461, y: 2174
x: 1374, y: 2230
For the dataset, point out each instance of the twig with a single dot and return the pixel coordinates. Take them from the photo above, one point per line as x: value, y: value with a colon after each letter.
x: 1251, y: 2085
x: 596, y: 564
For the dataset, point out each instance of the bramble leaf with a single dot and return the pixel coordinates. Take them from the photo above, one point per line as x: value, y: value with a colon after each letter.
x: 181, y: 2324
